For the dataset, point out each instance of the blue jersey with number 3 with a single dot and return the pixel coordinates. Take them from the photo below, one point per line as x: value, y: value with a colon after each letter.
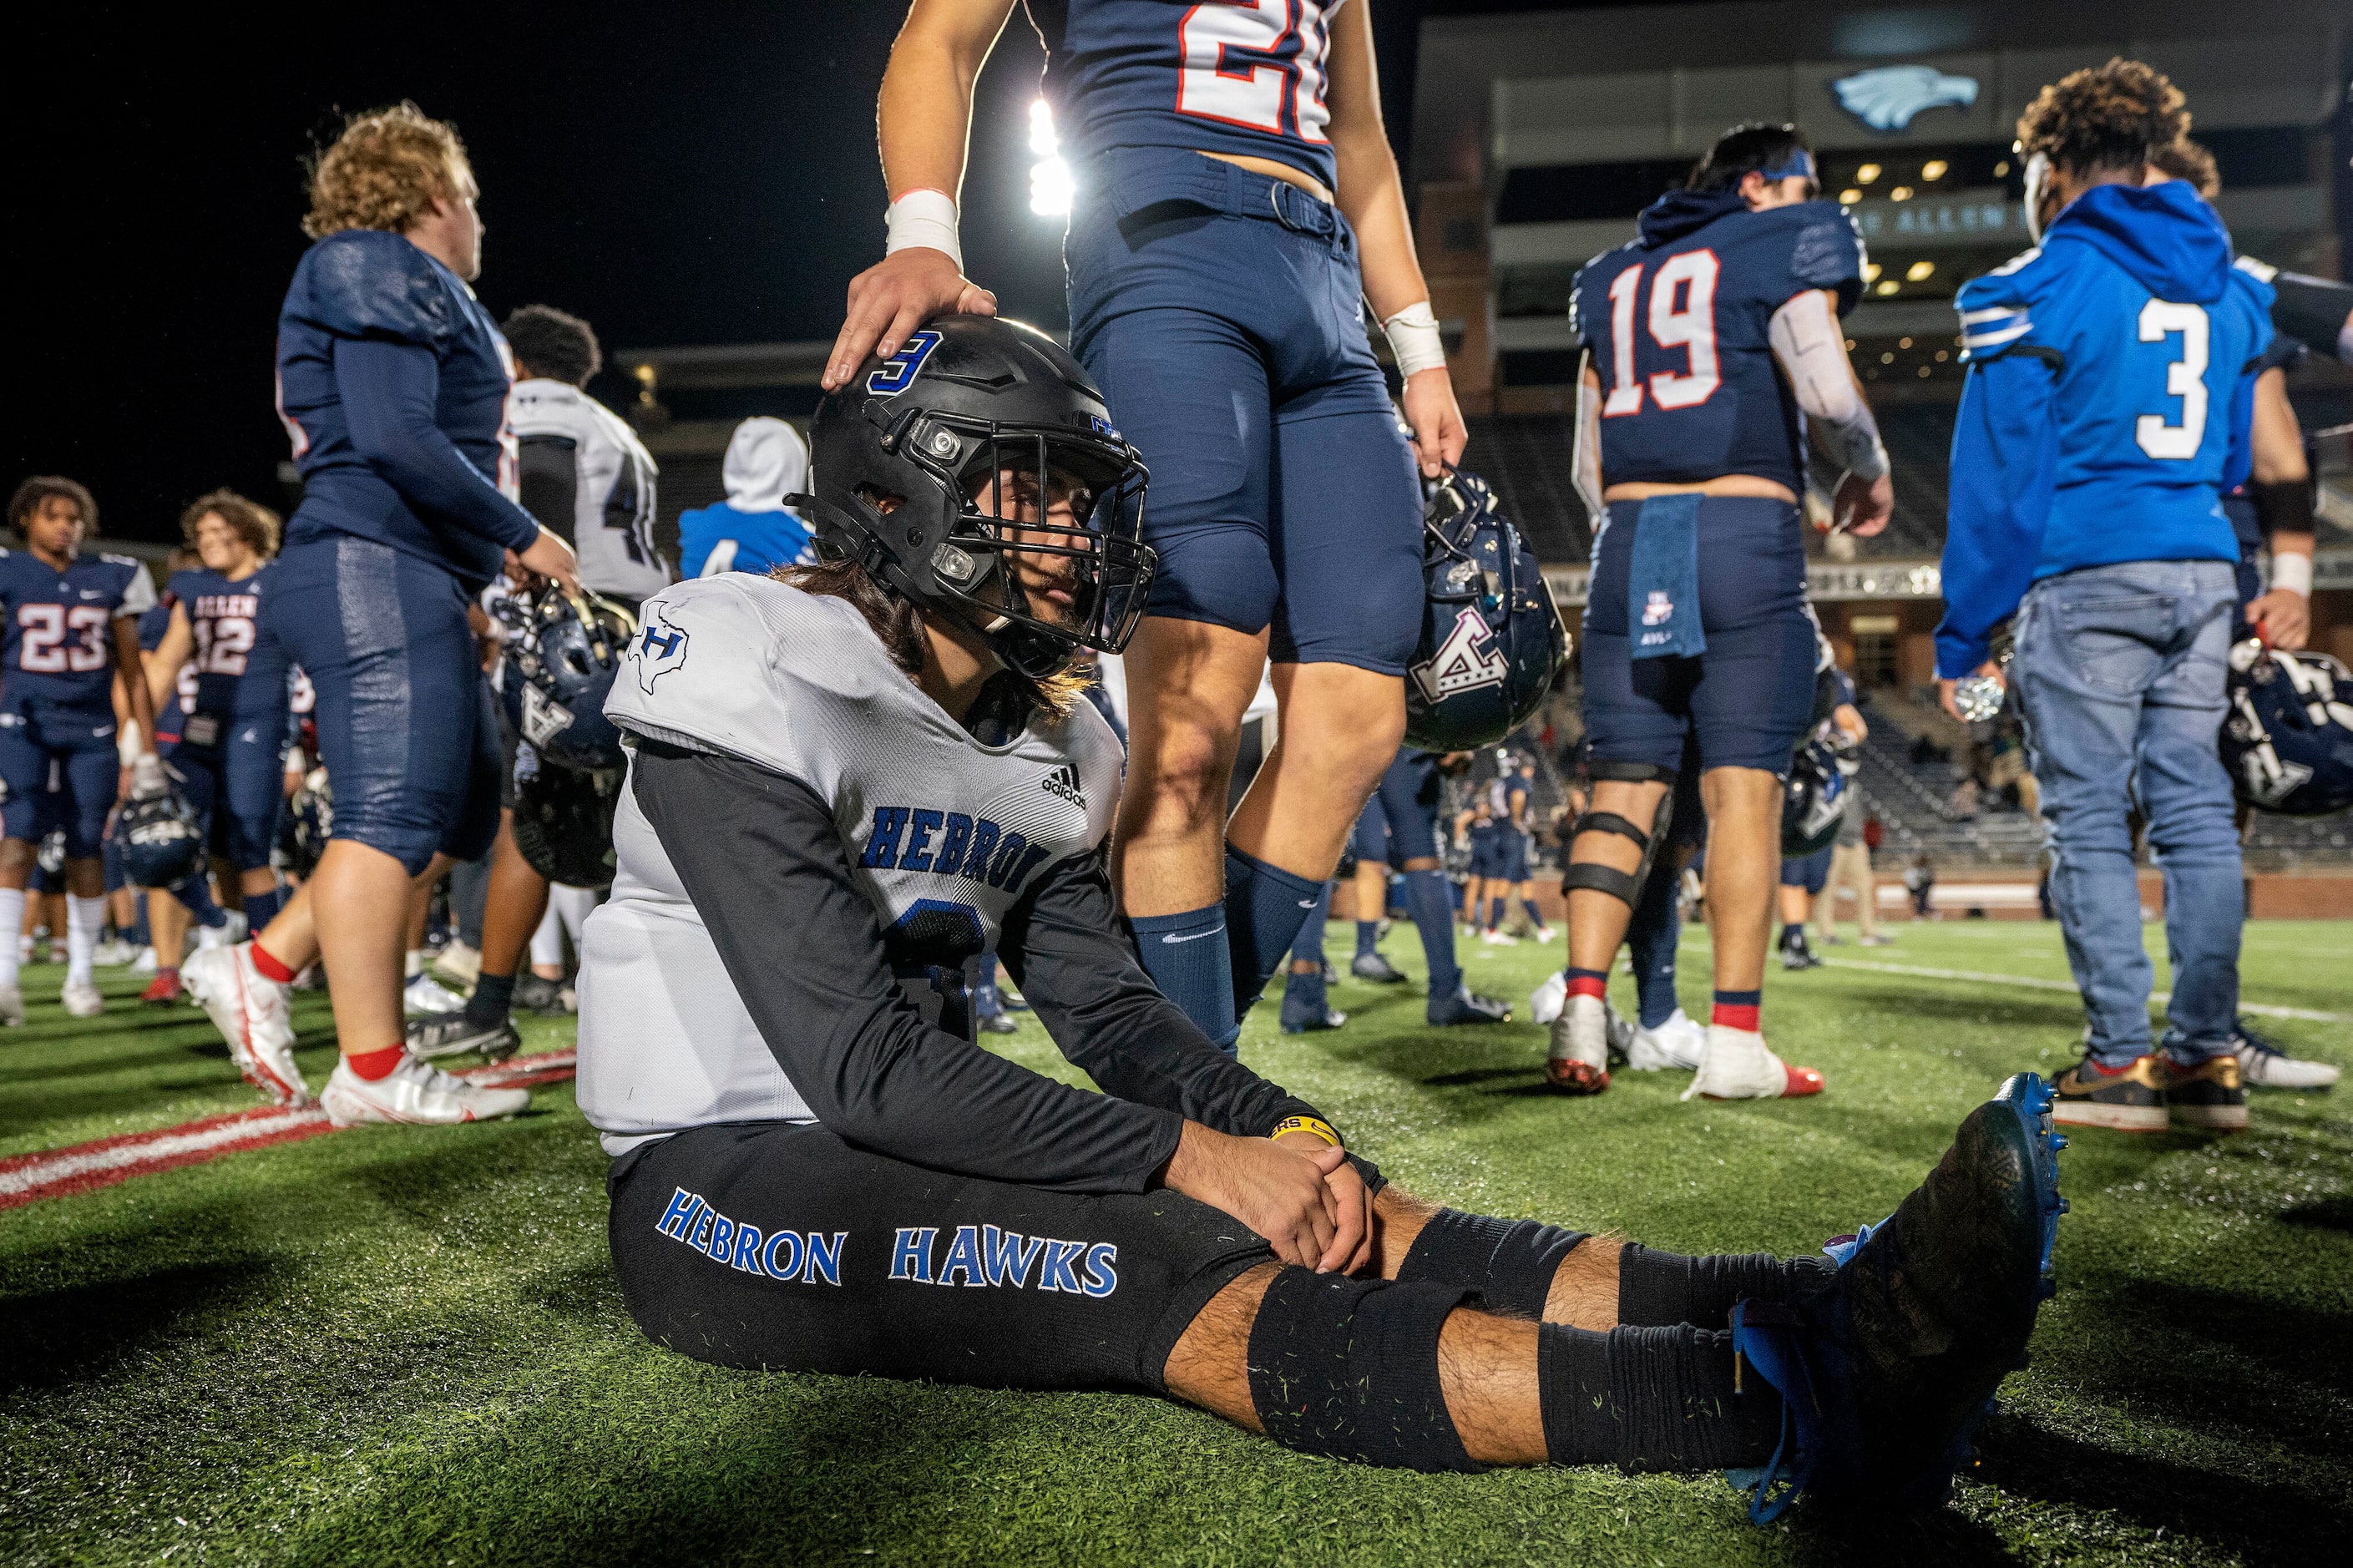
x: 1677, y: 324
x: 59, y: 650
x: 1242, y: 77
x: 2106, y: 366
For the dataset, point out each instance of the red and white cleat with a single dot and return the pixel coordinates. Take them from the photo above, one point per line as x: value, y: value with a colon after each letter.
x: 1578, y: 1061
x: 417, y: 1092
x: 1737, y: 1066
x: 251, y: 1012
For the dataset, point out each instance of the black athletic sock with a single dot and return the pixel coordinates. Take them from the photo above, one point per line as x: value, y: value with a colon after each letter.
x: 492, y: 1000
x: 1659, y: 1287
x: 1651, y: 1399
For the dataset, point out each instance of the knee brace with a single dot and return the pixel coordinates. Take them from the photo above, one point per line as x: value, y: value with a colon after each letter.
x: 1625, y: 887
x: 1348, y: 1368
x: 1510, y: 1263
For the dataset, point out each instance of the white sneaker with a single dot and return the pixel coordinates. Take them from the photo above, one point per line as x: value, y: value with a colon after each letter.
x: 145, y: 962
x: 1621, y: 1032
x: 1544, y: 1001
x: 2263, y: 1065
x: 12, y: 1006
x: 210, y: 937
x: 1578, y: 1061
x: 414, y: 1091
x: 1679, y: 1043
x: 113, y: 953
x: 251, y: 1011
x: 422, y: 998
x: 458, y: 964
x: 81, y: 999
x: 1499, y: 939
x: 1543, y: 934
x: 1736, y: 1065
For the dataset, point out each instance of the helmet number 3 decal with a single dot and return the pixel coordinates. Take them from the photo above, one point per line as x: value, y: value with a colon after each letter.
x: 897, y: 373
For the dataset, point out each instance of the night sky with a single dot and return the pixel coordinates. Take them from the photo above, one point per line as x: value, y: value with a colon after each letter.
x: 702, y: 172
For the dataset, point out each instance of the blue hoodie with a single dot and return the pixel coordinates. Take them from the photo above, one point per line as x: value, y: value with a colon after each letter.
x: 2103, y: 369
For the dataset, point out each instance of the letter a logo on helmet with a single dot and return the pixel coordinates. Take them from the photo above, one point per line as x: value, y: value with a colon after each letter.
x: 1466, y: 660
x: 1492, y: 639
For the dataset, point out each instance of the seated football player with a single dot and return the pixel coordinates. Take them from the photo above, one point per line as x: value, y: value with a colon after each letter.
x: 848, y: 781
x: 1714, y: 342
x: 72, y: 623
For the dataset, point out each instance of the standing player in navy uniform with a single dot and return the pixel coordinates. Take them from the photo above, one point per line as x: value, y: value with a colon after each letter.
x: 1714, y: 346
x: 229, y: 682
x: 392, y: 382
x: 72, y: 621
x: 1238, y: 202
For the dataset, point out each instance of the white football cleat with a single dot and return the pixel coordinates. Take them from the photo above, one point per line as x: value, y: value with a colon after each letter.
x: 1678, y: 1044
x: 1578, y: 1061
x: 113, y: 953
x: 1544, y: 1001
x: 82, y: 999
x: 1736, y: 1065
x: 458, y: 964
x: 12, y: 1006
x: 1499, y: 939
x: 422, y: 998
x: 1542, y: 933
x: 414, y: 1091
x: 251, y: 1010
x: 145, y: 962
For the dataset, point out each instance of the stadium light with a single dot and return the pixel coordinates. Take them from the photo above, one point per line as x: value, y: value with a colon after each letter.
x: 1050, y: 186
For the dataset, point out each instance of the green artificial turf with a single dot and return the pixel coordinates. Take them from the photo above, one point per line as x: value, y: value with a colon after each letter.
x: 405, y: 1345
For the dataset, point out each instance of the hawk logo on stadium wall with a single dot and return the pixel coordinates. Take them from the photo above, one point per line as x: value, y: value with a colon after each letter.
x: 1466, y: 661
x: 1886, y: 98
x: 659, y: 648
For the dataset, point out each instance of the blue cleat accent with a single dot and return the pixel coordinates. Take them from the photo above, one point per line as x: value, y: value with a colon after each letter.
x: 1885, y: 1371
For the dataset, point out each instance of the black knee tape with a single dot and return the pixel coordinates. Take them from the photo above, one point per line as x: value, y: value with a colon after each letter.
x: 1651, y: 1399
x: 1348, y: 1368
x: 1509, y: 1262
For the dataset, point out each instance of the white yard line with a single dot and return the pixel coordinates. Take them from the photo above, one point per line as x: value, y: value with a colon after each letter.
x: 153, y: 1150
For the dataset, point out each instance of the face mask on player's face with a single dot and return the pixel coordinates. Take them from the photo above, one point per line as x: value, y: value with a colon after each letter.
x: 1050, y: 581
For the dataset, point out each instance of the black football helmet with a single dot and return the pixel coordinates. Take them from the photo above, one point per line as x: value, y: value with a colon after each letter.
x: 2287, y: 738
x: 561, y: 653
x: 563, y: 824
x: 1492, y: 638
x: 309, y: 824
x: 973, y: 422
x: 1821, y: 774
x: 162, y: 841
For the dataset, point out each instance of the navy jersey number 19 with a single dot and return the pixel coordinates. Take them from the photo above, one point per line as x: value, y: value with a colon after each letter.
x: 1682, y: 315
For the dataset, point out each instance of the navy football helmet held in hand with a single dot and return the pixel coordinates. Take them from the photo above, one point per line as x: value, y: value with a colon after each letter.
x: 562, y: 653
x: 162, y: 841
x: 2288, y: 736
x: 1492, y: 638
x: 1819, y: 776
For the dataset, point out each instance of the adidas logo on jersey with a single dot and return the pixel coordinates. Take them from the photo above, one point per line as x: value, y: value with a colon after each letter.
x: 1064, y: 781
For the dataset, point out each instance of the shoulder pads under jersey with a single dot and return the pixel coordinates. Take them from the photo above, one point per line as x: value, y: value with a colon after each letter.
x: 362, y: 284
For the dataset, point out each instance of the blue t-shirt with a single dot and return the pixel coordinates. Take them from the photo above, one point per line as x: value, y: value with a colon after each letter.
x: 760, y: 540
x: 60, y: 648
x: 1246, y: 79
x: 392, y: 382
x: 2107, y: 383
x: 1678, y: 325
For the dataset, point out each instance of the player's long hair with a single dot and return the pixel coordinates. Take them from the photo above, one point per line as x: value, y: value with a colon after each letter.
x: 249, y: 519
x: 2105, y: 117
x: 2187, y: 160
x: 385, y: 172
x: 39, y: 487
x: 899, y: 622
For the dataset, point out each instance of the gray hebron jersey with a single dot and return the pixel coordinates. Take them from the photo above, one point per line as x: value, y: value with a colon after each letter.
x: 944, y: 834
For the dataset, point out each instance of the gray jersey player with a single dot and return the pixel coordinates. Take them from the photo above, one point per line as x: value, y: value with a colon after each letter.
x: 847, y: 784
x: 584, y: 472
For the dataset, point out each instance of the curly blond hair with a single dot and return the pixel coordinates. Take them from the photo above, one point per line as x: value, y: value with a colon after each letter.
x: 2187, y: 160
x: 2105, y: 117
x: 385, y: 172
x: 248, y: 520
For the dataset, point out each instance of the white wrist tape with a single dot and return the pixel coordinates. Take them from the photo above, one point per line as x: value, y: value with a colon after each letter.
x: 1414, y: 339
x: 130, y: 749
x: 925, y: 217
x: 1811, y: 348
x: 2292, y: 570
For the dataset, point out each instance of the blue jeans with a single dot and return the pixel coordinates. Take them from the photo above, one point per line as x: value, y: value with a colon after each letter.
x: 2119, y: 675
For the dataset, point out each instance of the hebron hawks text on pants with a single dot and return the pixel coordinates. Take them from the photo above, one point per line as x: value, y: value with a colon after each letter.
x: 785, y: 1255
x: 984, y: 1255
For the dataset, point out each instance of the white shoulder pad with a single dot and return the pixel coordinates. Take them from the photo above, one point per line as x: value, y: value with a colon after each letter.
x: 109, y: 555
x: 544, y: 407
x: 747, y: 666
x: 138, y: 589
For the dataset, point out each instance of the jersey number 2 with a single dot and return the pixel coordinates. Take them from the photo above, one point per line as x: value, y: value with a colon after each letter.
x: 2185, y: 378
x: 46, y: 651
x: 1682, y: 316
x: 1231, y: 72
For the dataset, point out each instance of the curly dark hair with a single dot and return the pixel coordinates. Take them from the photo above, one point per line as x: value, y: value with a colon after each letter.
x: 899, y: 622
x: 554, y: 344
x: 385, y: 172
x: 1751, y: 147
x: 2188, y: 160
x: 249, y: 519
x: 2113, y: 116
x: 39, y: 487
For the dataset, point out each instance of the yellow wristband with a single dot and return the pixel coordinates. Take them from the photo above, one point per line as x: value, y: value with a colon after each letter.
x: 1322, y: 1129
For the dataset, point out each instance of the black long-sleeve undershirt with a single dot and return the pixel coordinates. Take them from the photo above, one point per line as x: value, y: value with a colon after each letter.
x: 759, y: 855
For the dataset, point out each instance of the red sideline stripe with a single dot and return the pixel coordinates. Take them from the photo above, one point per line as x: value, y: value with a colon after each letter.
x: 87, y: 1167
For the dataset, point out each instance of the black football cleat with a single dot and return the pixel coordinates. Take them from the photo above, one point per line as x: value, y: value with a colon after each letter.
x: 536, y: 993
x: 1376, y: 968
x: 1305, y: 1008
x: 1467, y: 1006
x: 451, y: 1036
x: 1885, y: 1369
